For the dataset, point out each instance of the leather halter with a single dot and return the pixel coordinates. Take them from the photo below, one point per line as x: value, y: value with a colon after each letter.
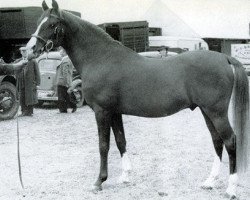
x: 48, y: 44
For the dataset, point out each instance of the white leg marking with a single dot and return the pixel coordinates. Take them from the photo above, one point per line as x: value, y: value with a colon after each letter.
x: 126, y: 168
x: 211, y: 180
x: 232, y: 185
x: 33, y: 40
x: 126, y: 165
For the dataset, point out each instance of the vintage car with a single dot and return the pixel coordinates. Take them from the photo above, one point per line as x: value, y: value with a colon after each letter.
x: 156, y: 54
x: 8, y: 96
x: 47, y: 91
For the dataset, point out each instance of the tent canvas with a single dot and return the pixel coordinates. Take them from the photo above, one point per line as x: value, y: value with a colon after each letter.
x: 159, y: 15
x: 202, y: 19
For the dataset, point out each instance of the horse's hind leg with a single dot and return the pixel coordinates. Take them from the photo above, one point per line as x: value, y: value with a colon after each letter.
x: 223, y: 127
x: 117, y: 127
x: 218, y: 146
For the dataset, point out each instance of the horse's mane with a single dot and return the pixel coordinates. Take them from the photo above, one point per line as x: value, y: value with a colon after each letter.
x: 87, y: 27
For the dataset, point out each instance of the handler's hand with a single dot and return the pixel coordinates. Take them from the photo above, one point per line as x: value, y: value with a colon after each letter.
x: 20, y: 65
x: 70, y: 90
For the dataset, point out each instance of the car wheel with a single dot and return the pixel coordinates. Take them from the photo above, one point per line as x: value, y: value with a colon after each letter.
x: 8, y: 101
x: 40, y: 103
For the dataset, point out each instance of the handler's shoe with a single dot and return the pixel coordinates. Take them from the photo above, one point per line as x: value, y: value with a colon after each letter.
x: 74, y: 109
x: 62, y: 112
x: 25, y: 114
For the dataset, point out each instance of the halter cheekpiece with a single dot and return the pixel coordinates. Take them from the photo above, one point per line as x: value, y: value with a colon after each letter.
x: 48, y: 44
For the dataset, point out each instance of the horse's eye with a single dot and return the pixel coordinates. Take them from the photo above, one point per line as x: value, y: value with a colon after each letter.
x: 52, y: 25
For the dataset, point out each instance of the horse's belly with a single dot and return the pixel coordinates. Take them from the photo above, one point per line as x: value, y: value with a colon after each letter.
x: 153, y: 107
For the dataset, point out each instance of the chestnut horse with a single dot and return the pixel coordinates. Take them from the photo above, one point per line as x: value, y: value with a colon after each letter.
x: 117, y: 80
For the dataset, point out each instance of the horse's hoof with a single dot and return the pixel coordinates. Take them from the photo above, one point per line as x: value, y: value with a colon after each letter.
x: 231, y: 196
x: 207, y: 185
x: 96, y: 189
x: 162, y: 194
x: 124, y: 178
x: 231, y: 193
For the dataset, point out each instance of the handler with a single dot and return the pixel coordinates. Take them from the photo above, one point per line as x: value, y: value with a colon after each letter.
x: 28, y: 81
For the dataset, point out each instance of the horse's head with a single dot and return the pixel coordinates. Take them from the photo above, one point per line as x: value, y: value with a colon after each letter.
x: 50, y: 30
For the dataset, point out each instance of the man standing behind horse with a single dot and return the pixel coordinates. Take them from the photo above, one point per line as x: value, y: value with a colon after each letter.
x: 64, y: 81
x: 163, y: 51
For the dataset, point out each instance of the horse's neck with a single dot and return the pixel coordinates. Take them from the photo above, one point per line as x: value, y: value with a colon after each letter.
x: 85, y: 44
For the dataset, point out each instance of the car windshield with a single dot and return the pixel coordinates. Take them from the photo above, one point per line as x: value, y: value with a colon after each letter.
x: 48, y: 64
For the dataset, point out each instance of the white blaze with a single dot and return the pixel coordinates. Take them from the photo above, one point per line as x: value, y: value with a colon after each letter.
x: 33, y: 40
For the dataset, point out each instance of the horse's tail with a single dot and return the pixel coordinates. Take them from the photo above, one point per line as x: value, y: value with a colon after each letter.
x: 240, y: 114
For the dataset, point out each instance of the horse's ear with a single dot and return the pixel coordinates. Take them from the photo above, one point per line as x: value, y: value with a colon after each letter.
x: 45, y: 6
x: 56, y: 8
x: 55, y: 5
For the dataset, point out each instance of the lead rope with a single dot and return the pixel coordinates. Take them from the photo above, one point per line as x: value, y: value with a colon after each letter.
x: 18, y: 138
x: 18, y: 155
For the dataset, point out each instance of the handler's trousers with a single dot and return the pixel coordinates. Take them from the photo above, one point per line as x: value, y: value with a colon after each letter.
x: 27, y: 110
x: 64, y: 99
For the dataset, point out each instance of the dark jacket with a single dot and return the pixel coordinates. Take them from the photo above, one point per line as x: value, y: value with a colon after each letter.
x: 28, y: 81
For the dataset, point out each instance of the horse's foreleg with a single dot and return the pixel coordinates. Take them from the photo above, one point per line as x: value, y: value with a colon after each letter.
x: 103, y: 120
x: 218, y: 146
x: 117, y: 127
